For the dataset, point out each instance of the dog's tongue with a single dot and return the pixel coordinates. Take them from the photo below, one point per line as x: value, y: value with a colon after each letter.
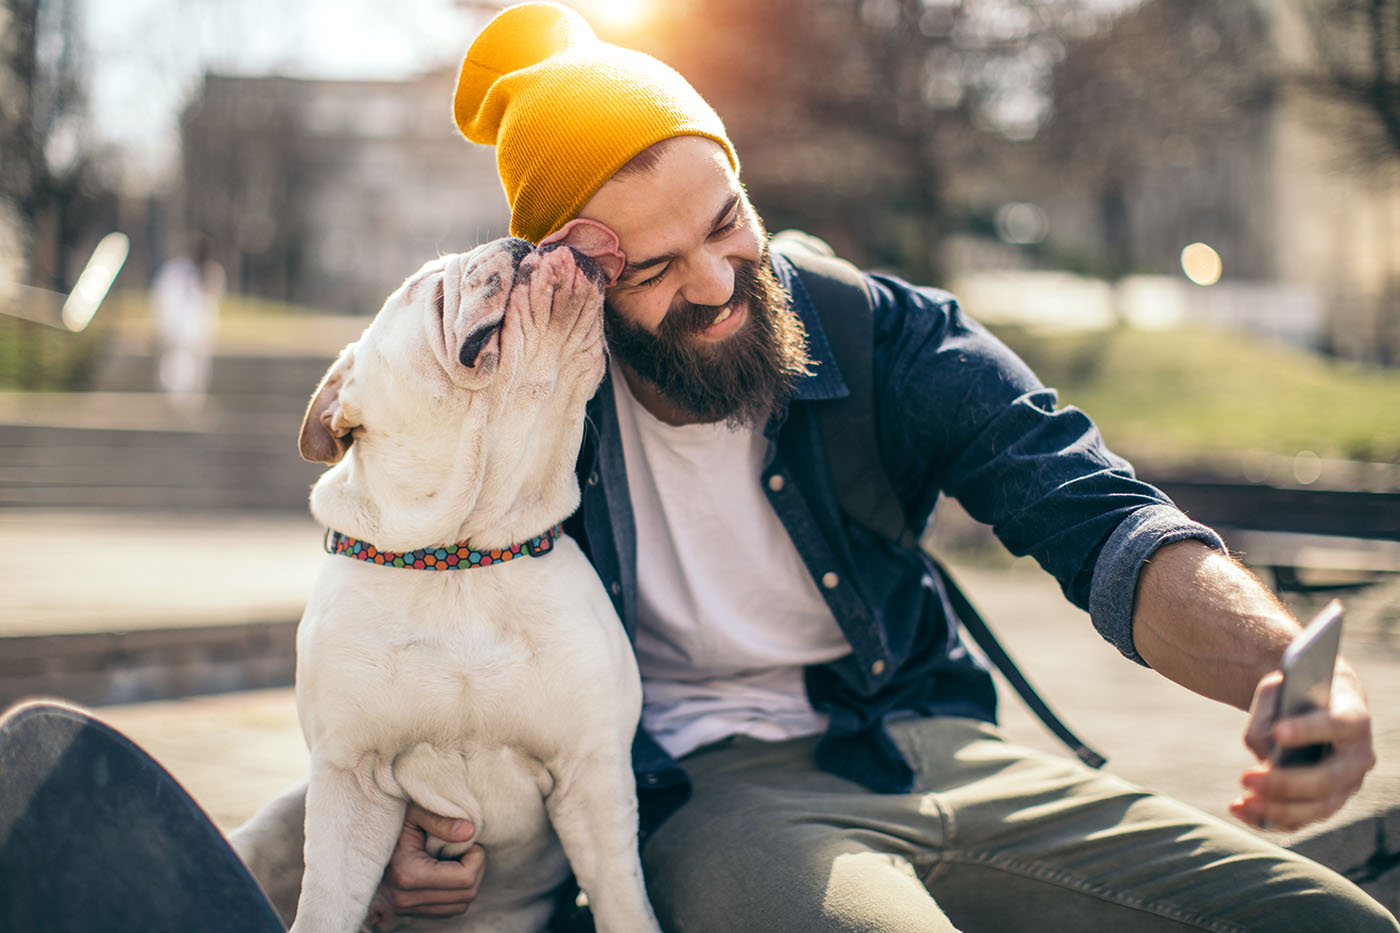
x: 595, y: 241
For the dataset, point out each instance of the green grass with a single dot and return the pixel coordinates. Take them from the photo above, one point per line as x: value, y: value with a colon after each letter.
x: 1172, y: 395
x: 38, y: 358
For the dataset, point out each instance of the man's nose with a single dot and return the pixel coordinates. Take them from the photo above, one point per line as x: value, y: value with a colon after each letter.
x: 710, y: 281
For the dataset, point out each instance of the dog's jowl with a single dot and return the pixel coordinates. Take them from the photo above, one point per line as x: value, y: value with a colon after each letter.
x: 458, y: 651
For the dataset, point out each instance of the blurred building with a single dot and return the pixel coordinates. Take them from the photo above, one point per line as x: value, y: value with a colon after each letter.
x: 1182, y: 121
x: 1190, y: 121
x: 1337, y: 199
x: 330, y: 193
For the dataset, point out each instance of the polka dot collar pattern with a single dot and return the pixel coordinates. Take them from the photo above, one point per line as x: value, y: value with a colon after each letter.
x: 459, y: 556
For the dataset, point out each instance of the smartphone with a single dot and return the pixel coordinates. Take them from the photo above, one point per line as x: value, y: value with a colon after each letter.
x: 1307, y: 680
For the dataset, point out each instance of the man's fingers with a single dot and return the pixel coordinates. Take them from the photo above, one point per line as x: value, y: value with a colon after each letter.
x: 473, y: 862
x: 1285, y: 816
x: 445, y: 828
x: 419, y: 871
x: 421, y: 900
x: 1335, y: 776
x: 1258, y: 731
x: 1289, y: 798
x: 427, y: 903
x: 1320, y: 727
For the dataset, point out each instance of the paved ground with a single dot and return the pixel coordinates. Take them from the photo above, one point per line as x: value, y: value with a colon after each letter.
x: 99, y: 571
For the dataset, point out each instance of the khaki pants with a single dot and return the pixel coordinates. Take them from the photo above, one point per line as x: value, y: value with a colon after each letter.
x: 996, y: 837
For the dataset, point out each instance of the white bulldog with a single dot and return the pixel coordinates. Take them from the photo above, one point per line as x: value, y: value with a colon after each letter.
x: 501, y: 690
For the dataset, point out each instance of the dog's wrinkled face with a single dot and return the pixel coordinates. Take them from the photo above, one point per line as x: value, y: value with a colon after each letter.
x: 542, y: 291
x: 473, y: 376
x: 503, y: 302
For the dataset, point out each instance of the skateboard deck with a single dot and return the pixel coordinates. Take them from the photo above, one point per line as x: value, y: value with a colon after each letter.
x: 95, y: 835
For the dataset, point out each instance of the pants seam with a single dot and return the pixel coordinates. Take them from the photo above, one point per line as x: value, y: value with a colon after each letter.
x: 1041, y: 872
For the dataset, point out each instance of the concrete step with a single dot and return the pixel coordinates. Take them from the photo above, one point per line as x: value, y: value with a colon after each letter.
x: 139, y: 450
x: 129, y: 666
x: 291, y: 375
x: 75, y: 467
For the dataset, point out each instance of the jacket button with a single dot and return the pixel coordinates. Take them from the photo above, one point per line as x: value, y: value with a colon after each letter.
x: 593, y: 478
x: 616, y: 588
x: 830, y: 580
x: 878, y: 668
x: 775, y: 482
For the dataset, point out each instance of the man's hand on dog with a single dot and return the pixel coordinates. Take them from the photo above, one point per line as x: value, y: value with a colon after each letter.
x: 420, y: 885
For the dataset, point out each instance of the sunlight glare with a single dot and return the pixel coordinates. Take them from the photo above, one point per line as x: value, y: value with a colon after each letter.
x: 617, y: 14
x: 1201, y: 264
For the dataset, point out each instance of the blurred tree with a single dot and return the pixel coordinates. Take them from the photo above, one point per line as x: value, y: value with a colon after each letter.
x: 19, y: 147
x: 1357, y: 44
x: 850, y: 115
x: 1168, y: 93
x: 17, y: 20
x: 243, y: 180
x: 48, y: 171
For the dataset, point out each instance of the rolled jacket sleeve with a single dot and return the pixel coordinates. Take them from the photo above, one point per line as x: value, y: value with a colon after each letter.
x: 1121, y: 561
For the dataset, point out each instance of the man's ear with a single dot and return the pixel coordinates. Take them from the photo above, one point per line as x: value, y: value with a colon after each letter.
x: 326, y: 429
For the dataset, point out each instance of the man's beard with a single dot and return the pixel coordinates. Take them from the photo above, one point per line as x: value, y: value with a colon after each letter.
x: 742, y: 379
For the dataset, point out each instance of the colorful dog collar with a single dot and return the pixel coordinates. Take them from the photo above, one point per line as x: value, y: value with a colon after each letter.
x: 459, y: 556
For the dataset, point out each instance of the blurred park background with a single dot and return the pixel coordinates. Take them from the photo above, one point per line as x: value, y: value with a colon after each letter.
x: 1184, y: 213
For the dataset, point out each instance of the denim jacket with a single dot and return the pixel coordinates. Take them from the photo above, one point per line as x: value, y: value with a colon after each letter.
x: 957, y: 414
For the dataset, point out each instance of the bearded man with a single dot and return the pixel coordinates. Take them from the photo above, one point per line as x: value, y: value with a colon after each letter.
x: 817, y: 748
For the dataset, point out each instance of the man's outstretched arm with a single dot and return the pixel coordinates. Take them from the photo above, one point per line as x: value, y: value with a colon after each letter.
x: 1206, y: 622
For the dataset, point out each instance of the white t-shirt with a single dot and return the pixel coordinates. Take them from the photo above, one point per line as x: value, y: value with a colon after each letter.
x: 728, y: 615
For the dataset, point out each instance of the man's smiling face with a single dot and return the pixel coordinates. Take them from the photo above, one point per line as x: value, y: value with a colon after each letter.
x: 701, y: 327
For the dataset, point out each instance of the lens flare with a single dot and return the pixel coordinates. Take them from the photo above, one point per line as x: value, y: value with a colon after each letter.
x: 617, y: 15
x: 1201, y: 264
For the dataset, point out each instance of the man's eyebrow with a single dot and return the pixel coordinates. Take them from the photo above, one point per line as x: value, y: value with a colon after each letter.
x: 634, y: 267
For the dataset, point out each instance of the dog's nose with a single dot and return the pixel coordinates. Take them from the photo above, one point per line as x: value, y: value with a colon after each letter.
x: 518, y: 248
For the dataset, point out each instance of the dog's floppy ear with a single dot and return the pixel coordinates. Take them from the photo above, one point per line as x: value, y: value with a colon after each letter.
x: 325, y: 429
x: 594, y: 240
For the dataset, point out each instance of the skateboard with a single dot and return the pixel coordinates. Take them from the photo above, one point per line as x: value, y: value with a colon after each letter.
x: 95, y: 835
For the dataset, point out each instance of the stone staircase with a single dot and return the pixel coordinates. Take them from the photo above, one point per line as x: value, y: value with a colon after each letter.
x: 126, y: 446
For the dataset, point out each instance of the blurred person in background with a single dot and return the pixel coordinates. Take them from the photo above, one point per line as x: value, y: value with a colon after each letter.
x: 818, y: 749
x: 185, y: 294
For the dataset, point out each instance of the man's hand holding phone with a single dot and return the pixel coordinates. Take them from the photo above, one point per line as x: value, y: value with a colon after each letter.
x: 1310, y: 728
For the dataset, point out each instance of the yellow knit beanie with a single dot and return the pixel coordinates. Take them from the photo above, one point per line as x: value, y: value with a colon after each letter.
x: 566, y: 110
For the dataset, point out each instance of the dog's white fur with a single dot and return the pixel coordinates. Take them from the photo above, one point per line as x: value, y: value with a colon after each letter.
x: 507, y: 695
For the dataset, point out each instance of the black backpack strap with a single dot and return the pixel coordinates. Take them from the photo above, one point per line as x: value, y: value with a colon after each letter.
x: 847, y: 424
x: 976, y: 626
x: 841, y: 296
